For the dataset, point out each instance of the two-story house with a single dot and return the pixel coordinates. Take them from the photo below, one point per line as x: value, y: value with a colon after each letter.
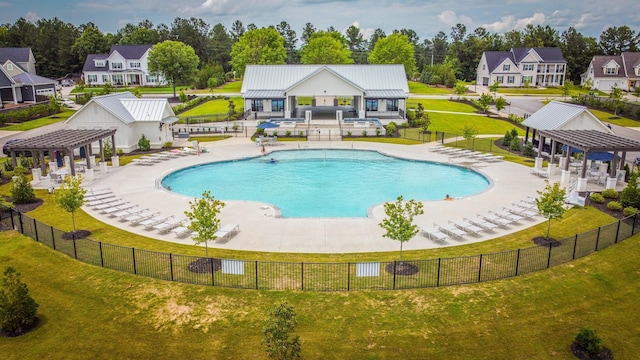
x: 520, y: 66
x: 19, y: 82
x: 124, y: 65
x: 607, y: 71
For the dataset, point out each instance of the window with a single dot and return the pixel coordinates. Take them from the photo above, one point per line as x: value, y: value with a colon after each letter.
x: 277, y: 105
x: 117, y: 79
x: 116, y: 65
x: 506, y: 67
x: 256, y: 105
x: 92, y: 78
x: 135, y: 65
x: 527, y: 79
x: 99, y: 63
x: 510, y: 79
x: 151, y: 78
x: 500, y: 79
x: 105, y: 78
x: 612, y: 70
x: 392, y: 104
x: 9, y: 67
x: 527, y: 67
x: 372, y: 105
x: 484, y: 67
x: 540, y: 68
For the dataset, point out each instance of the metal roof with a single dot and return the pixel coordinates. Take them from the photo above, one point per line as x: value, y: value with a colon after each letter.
x: 592, y: 140
x: 145, y: 109
x: 61, y: 140
x: 556, y: 115
x: 385, y: 94
x: 128, y: 108
x: 282, y: 77
x: 264, y: 94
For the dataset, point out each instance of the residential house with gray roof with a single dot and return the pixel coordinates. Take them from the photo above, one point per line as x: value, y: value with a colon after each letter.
x: 520, y: 66
x: 124, y: 65
x: 19, y: 82
x: 607, y: 71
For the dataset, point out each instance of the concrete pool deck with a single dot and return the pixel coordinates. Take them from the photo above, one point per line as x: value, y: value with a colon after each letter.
x: 261, y: 230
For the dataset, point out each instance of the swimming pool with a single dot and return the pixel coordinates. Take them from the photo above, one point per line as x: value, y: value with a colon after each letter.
x: 326, y: 183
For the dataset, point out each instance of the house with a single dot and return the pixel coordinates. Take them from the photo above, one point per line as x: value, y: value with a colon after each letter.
x: 131, y: 116
x: 124, y: 65
x: 19, y: 82
x: 520, y: 66
x: 325, y: 91
x: 607, y: 71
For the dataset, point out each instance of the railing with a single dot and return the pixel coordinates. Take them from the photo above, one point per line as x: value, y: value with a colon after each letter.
x: 265, y: 275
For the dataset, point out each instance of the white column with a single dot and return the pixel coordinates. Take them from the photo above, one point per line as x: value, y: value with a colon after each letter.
x: 582, y: 184
x: 36, y: 172
x: 611, y: 183
x: 103, y: 167
x: 88, y: 174
x: 538, y: 163
x: 115, y: 161
x: 565, y: 178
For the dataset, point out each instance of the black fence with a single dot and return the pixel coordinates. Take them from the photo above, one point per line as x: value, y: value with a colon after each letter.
x: 348, y: 276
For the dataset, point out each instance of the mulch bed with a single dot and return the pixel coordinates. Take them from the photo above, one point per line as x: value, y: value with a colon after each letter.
x: 402, y: 268
x: 25, y: 330
x: 78, y: 234
x: 201, y: 266
x: 582, y: 354
x: 542, y: 241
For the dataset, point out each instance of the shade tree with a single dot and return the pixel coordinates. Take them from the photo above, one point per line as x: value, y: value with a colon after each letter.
x: 176, y: 61
x: 262, y: 46
x: 395, y: 49
x: 326, y: 47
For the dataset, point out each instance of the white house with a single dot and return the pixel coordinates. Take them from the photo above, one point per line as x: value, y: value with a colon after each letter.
x: 514, y: 68
x: 355, y: 91
x: 124, y: 65
x: 19, y: 82
x: 131, y: 116
x: 607, y: 71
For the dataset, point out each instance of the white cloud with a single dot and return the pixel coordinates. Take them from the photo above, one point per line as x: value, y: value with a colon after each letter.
x: 366, y: 32
x: 31, y: 16
x: 509, y: 22
x: 449, y: 17
x: 585, y: 20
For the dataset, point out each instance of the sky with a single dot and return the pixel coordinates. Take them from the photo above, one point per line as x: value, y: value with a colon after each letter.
x: 425, y: 17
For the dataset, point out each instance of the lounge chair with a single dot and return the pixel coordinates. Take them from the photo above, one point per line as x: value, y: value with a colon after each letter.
x: 452, y: 230
x: 97, y: 192
x: 190, y: 151
x: 168, y: 225
x: 493, y: 218
x: 88, y: 198
x: 484, y: 224
x: 181, y: 230
x: 107, y: 205
x: 227, y: 231
x: 142, y: 161
x: 514, y: 209
x: 131, y: 211
x: 139, y: 217
x: 153, y: 221
x: 492, y: 158
x: 466, y: 226
x: 437, y: 148
x: 508, y: 216
x: 575, y: 199
x: 93, y: 203
x: 434, y: 234
x: 115, y: 209
x: 460, y: 153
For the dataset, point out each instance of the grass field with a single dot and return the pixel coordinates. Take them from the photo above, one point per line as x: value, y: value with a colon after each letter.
x: 29, y: 125
x: 616, y: 120
x: 441, y: 105
x: 424, y: 89
x: 216, y: 106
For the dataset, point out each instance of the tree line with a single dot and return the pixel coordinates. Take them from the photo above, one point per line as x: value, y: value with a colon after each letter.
x: 61, y: 48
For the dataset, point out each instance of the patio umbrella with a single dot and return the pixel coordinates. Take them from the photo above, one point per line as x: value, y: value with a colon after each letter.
x: 267, y: 125
x: 594, y: 155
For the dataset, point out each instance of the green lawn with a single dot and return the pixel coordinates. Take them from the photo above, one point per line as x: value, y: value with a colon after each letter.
x: 616, y: 120
x: 230, y: 87
x: 424, y: 89
x: 29, y: 125
x: 143, y: 90
x: 454, y: 123
x: 216, y: 106
x: 441, y: 105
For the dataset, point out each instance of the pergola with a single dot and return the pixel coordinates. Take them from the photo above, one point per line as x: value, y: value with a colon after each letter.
x: 66, y: 141
x: 589, y: 141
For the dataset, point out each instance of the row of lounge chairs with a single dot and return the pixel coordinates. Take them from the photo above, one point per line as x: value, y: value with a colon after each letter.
x: 488, y: 222
x: 457, y: 152
x: 162, y: 156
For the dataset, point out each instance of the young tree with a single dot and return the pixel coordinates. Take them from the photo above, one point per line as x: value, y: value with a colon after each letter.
x: 567, y: 87
x: 203, y: 219
x: 70, y: 196
x: 469, y: 132
x: 550, y: 203
x: 484, y: 102
x: 399, y: 221
x: 176, y: 61
x: 500, y: 103
x: 493, y: 88
x: 17, y: 307
x: 262, y: 46
x: 616, y: 97
x: 394, y: 49
x: 278, y: 333
x: 21, y: 189
x: 460, y: 88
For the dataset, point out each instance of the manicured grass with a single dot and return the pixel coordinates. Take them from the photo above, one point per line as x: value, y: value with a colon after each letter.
x: 216, y: 106
x: 454, y: 123
x: 441, y: 105
x: 616, y: 120
x: 424, y: 89
x: 29, y: 125
x: 143, y: 90
x: 89, y: 312
x: 230, y: 87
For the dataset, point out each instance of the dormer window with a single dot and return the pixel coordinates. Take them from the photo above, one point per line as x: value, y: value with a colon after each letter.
x: 9, y: 67
x: 611, y: 70
x: 506, y: 67
x: 100, y: 63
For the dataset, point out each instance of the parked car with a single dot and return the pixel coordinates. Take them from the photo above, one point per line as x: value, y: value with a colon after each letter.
x: 67, y: 103
x: 637, y: 161
x: 67, y: 82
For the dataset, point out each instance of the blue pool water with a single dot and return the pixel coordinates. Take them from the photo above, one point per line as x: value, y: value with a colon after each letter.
x: 326, y: 183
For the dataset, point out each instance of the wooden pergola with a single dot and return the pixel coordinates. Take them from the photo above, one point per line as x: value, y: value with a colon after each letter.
x: 66, y: 141
x: 589, y: 141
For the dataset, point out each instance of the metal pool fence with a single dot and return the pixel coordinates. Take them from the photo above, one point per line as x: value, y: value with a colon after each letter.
x: 265, y: 275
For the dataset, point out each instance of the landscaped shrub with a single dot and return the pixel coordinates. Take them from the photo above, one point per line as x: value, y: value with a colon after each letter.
x: 167, y: 145
x: 528, y: 149
x: 108, y: 149
x: 391, y: 128
x: 610, y: 194
x: 506, y: 140
x: 515, y: 144
x: 17, y: 307
x: 21, y: 191
x: 287, y: 134
x: 628, y: 211
x: 597, y: 198
x: 614, y: 205
x: 144, y: 144
x: 364, y: 133
x: 630, y: 195
x: 589, y: 341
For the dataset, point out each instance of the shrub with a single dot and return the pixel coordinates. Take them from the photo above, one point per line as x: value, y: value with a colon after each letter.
x: 108, y: 149
x: 628, y: 211
x: 21, y: 191
x: 364, y: 133
x: 144, y: 144
x: 589, y: 341
x: 630, y: 195
x: 391, y: 128
x: 514, y: 133
x: 183, y: 97
x: 610, y: 194
x: 287, y: 134
x: 515, y: 144
x: 597, y: 198
x: 301, y: 133
x: 506, y: 140
x: 378, y: 132
x: 120, y: 152
x: 614, y: 205
x: 528, y: 149
x: 167, y: 145
x: 349, y: 133
x: 17, y: 307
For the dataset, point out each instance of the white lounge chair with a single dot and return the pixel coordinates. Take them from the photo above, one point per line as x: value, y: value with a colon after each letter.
x: 139, y: 217
x: 508, y: 216
x: 103, y: 206
x: 466, y: 226
x: 452, y: 230
x: 496, y: 219
x: 492, y: 158
x: 178, y: 152
x: 181, y: 230
x: 190, y: 151
x: 486, y: 225
x: 168, y: 225
x: 434, y: 234
x: 437, y: 148
x: 94, y: 203
x: 153, y: 221
x: 115, y: 209
x: 227, y: 231
x: 142, y: 161
x: 131, y: 211
x: 514, y: 209
x: 88, y: 198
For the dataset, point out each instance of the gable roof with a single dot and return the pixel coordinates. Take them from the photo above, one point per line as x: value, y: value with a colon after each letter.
x: 516, y: 55
x: 129, y: 109
x: 495, y: 58
x: 283, y: 77
x: 631, y: 60
x: 558, y: 115
x: 15, y: 54
x: 130, y: 51
x: 31, y: 79
x: 90, y: 64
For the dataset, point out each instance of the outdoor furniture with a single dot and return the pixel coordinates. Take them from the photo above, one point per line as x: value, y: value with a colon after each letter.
x: 107, y: 205
x: 97, y: 202
x: 168, y: 225
x: 181, y: 231
x: 434, y: 234
x: 495, y: 219
x: 486, y: 225
x: 515, y: 209
x: 508, y: 216
x: 115, y: 209
x: 466, y: 226
x: 139, y: 217
x: 452, y: 230
x: 153, y: 221
x: 227, y: 231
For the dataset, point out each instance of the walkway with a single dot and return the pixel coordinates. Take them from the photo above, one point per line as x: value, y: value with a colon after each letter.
x: 260, y: 230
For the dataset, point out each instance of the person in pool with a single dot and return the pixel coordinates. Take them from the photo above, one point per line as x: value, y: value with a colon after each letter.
x: 448, y: 198
x: 272, y: 160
